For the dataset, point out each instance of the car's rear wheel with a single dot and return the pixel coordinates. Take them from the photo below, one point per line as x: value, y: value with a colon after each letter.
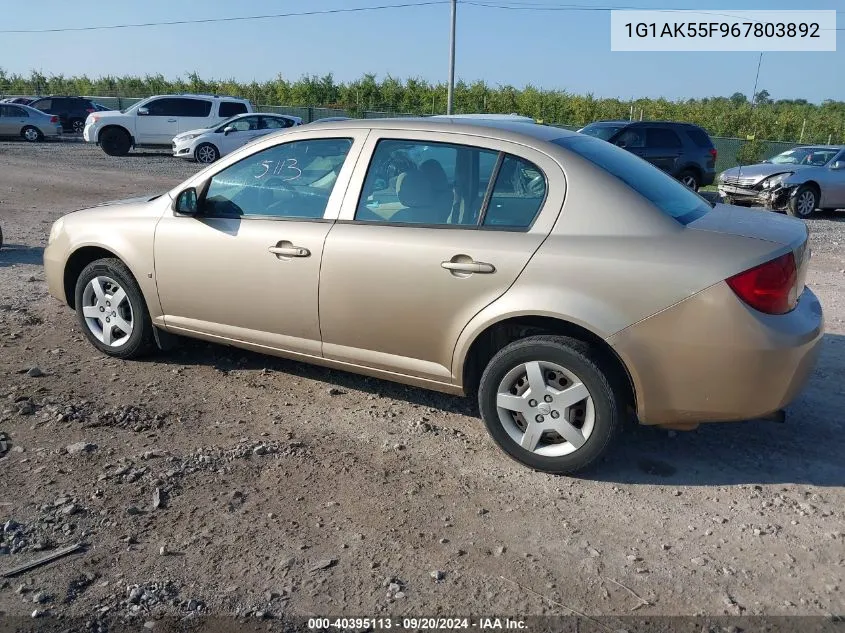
x: 32, y: 134
x: 690, y: 178
x: 804, y: 203
x: 206, y: 153
x: 549, y: 404
x: 112, y: 311
x: 77, y: 125
x: 115, y: 142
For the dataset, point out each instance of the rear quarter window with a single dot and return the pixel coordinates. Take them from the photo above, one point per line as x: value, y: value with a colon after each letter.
x: 699, y: 137
x: 231, y: 108
x: 664, y: 192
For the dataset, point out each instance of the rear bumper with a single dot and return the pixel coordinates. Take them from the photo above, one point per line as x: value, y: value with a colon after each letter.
x: 711, y: 358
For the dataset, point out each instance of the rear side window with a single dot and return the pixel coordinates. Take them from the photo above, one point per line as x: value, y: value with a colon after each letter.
x: 663, y: 191
x: 231, y: 108
x: 517, y: 196
x: 699, y: 137
x: 662, y: 137
x: 194, y: 107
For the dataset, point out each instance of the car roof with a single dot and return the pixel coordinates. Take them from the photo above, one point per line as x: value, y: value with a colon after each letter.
x: 831, y: 147
x: 502, y: 129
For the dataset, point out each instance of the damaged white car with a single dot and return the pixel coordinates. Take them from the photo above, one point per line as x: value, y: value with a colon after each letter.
x: 799, y: 181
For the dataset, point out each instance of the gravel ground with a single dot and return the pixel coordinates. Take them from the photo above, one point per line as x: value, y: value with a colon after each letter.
x: 214, y: 481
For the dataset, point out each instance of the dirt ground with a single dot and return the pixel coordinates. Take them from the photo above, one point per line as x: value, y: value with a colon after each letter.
x: 213, y: 481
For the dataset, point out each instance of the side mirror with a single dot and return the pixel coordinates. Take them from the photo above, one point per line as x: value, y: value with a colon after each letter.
x: 838, y: 165
x: 621, y: 144
x: 229, y: 129
x: 143, y: 111
x: 186, y: 202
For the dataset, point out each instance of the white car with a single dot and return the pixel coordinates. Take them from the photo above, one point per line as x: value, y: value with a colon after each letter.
x: 206, y: 145
x: 154, y: 121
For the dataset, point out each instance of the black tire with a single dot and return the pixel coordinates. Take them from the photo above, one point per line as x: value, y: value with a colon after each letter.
x: 141, y: 341
x: 576, y: 357
x: 804, y: 202
x: 77, y: 126
x: 690, y: 178
x: 32, y: 134
x: 115, y: 141
x: 206, y: 153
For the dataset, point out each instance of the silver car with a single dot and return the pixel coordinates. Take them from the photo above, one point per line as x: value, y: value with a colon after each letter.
x: 798, y: 181
x: 32, y: 125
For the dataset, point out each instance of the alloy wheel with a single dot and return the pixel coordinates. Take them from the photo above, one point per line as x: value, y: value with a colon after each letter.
x: 107, y: 311
x: 545, y: 408
x: 206, y: 154
x: 78, y: 126
x: 806, y: 203
x: 689, y: 181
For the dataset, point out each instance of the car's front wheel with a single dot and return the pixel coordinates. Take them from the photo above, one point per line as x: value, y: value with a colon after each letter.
x: 549, y: 404
x: 115, y: 141
x: 112, y: 311
x: 804, y: 203
x: 206, y: 154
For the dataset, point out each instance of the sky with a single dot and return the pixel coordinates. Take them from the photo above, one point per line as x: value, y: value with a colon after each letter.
x: 568, y: 50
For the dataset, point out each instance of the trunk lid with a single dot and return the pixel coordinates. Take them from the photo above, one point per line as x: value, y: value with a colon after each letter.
x: 771, y: 227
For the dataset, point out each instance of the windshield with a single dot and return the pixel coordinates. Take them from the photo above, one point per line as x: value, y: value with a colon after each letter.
x: 663, y: 191
x: 805, y: 156
x: 602, y: 131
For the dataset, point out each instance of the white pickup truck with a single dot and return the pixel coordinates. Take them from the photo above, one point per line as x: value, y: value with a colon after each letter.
x: 154, y: 121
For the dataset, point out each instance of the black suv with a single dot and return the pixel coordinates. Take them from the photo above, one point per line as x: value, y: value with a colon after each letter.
x: 72, y: 111
x: 683, y: 150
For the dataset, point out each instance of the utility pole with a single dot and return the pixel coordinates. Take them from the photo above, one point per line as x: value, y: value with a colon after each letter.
x: 451, y: 94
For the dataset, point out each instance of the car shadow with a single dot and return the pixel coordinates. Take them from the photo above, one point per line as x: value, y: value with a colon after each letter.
x: 228, y: 359
x: 12, y: 254
x: 807, y: 449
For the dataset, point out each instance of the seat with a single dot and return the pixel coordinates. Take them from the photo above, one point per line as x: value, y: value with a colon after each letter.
x: 423, y: 203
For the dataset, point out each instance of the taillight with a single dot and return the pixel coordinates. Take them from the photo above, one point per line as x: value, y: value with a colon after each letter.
x: 714, y: 152
x: 90, y: 110
x: 771, y: 287
x: 54, y: 119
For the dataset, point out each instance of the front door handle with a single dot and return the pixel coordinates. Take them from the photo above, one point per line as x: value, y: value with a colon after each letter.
x: 469, y: 267
x: 286, y: 249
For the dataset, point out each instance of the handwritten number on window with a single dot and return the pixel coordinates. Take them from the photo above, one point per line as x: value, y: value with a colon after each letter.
x: 286, y: 168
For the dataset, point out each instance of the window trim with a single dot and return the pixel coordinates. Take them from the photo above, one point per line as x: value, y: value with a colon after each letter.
x: 478, y: 226
x: 202, y: 189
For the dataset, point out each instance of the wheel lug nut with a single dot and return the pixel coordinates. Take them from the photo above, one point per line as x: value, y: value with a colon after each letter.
x: 532, y: 403
x: 548, y: 398
x: 102, y: 309
x: 555, y: 415
x: 539, y: 418
x: 107, y: 319
x: 108, y: 304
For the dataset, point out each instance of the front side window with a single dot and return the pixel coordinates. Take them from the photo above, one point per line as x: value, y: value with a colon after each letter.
x: 162, y: 107
x: 604, y: 132
x: 664, y: 192
x: 274, y: 123
x: 631, y: 138
x: 292, y: 180
x: 231, y: 108
x: 244, y: 124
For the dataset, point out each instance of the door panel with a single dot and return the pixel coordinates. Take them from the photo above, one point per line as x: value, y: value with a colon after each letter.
x: 160, y: 125
x: 217, y: 276
x: 663, y: 148
x: 387, y: 302
x: 395, y: 291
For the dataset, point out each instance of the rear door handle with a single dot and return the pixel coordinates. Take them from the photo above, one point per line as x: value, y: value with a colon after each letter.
x: 286, y: 249
x: 469, y: 267
x: 171, y: 120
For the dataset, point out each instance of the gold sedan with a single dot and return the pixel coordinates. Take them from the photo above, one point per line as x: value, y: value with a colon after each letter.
x: 563, y: 280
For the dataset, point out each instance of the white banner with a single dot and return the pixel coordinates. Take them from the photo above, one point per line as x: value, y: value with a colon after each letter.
x: 722, y: 30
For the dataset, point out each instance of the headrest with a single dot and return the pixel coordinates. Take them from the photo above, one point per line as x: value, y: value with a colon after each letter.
x: 436, y: 175
x: 414, y: 189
